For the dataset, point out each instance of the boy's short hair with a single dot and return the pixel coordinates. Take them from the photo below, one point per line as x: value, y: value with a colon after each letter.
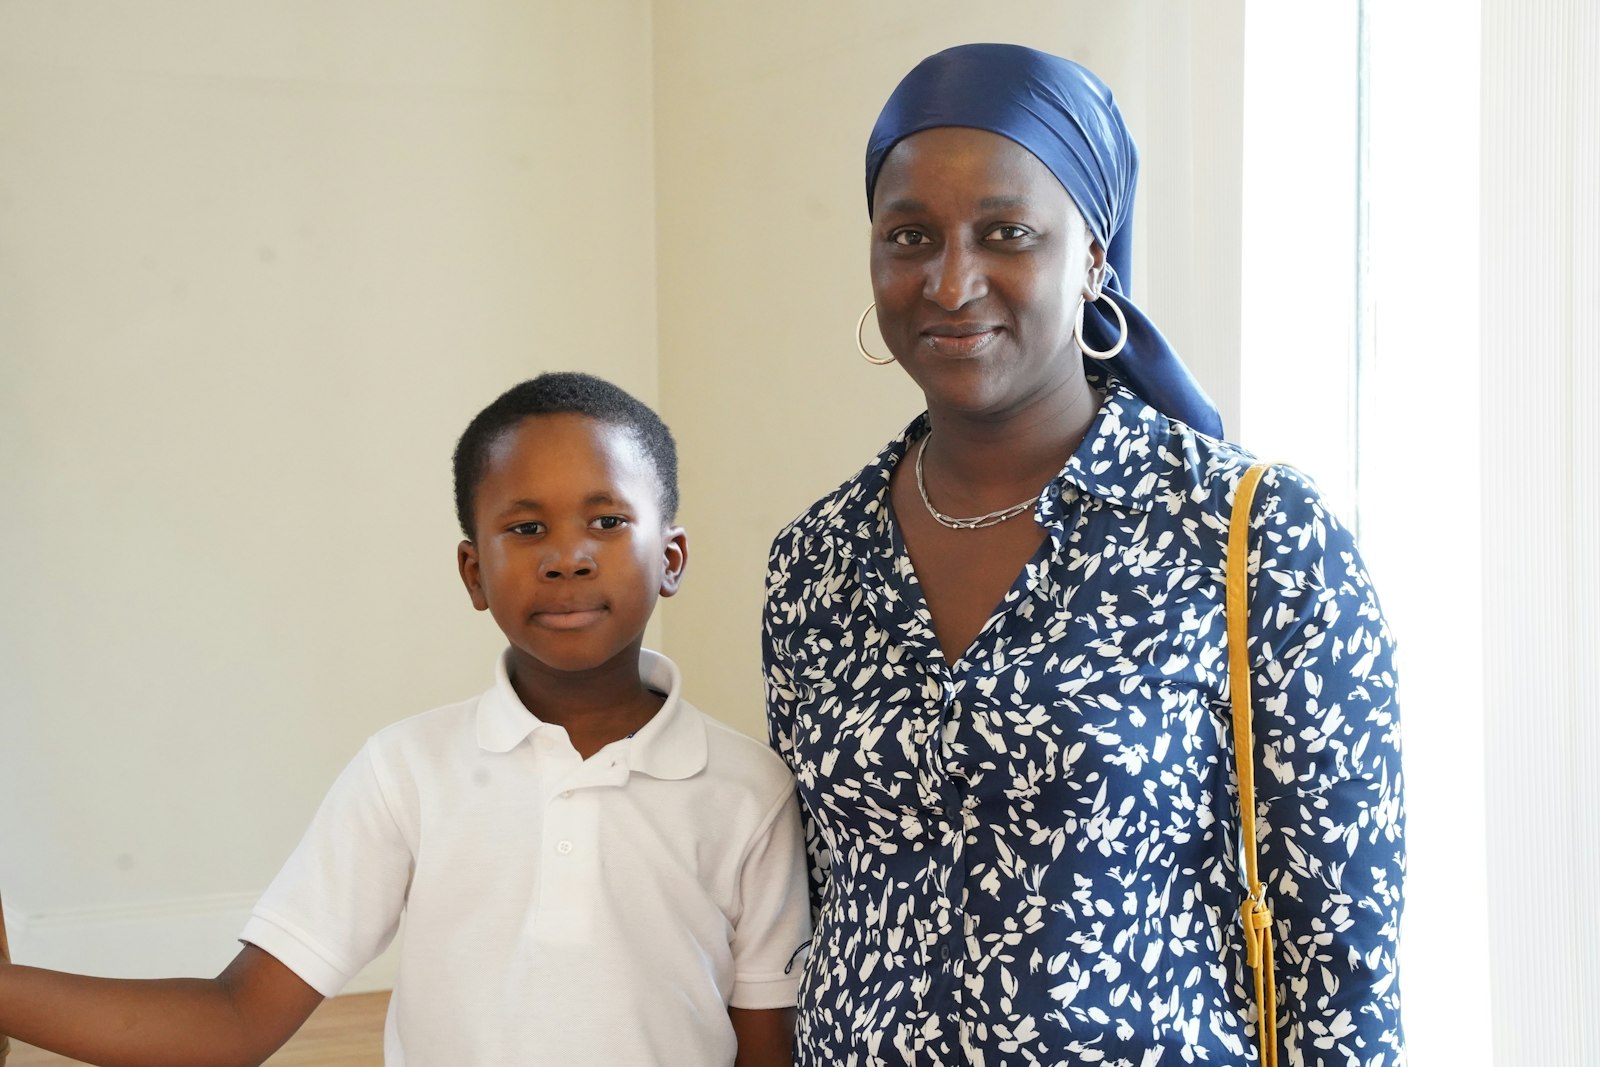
x: 556, y: 393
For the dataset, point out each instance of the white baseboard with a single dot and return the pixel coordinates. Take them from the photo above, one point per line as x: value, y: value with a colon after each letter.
x: 185, y: 936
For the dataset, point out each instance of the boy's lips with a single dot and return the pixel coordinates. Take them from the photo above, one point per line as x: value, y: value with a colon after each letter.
x: 575, y: 617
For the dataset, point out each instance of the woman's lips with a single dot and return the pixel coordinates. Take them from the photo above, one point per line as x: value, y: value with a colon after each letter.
x: 959, y: 340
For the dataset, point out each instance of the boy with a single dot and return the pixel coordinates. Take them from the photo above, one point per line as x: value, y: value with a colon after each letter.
x: 592, y: 871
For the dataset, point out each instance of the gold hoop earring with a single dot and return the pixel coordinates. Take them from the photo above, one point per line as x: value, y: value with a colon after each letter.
x: 1122, y: 326
x: 861, y: 345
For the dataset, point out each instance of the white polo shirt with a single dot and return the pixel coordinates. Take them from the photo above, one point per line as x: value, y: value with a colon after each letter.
x: 558, y: 911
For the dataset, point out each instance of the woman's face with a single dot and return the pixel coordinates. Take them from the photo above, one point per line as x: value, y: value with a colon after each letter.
x: 979, y: 261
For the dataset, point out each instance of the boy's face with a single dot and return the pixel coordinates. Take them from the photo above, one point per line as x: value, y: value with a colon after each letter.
x: 571, y: 550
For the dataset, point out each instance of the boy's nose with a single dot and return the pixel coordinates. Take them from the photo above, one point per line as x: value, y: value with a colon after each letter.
x: 577, y: 564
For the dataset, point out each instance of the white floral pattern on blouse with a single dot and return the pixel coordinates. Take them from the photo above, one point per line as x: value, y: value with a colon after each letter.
x: 1031, y: 856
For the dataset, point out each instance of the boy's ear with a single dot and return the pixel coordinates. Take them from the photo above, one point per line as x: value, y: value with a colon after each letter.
x: 675, y: 548
x: 467, y: 564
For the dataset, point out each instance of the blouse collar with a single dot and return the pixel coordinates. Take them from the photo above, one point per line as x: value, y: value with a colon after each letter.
x: 1116, y: 462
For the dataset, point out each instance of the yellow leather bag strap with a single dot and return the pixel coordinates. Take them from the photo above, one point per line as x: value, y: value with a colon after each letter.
x: 1255, y: 913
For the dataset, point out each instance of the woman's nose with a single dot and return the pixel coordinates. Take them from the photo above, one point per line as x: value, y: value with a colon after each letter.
x: 954, y: 278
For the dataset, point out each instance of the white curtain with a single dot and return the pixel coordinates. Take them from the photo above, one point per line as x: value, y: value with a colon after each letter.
x: 1540, y: 286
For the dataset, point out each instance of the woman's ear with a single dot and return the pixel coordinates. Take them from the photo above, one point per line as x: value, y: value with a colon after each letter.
x: 1096, y: 274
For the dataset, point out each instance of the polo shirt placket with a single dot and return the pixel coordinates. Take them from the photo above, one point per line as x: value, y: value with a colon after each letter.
x: 570, y: 832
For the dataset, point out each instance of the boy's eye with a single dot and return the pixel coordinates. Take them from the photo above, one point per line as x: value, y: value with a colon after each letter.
x: 610, y: 522
x: 528, y: 529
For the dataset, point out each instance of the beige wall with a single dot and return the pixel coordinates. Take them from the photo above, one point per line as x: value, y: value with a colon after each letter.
x: 762, y: 116
x: 259, y: 263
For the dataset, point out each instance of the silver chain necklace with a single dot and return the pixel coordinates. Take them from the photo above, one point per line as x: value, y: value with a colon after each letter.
x: 994, y: 518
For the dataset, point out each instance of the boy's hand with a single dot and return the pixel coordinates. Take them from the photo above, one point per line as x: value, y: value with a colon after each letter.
x: 238, y: 1018
x: 765, y: 1036
x: 5, y: 958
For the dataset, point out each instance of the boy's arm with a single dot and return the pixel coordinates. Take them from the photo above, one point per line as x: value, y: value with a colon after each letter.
x: 239, y: 1017
x: 772, y: 930
x: 765, y: 1036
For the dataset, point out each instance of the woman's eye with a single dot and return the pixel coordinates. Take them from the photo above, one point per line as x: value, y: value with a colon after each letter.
x: 908, y: 237
x: 1007, y: 233
x: 610, y: 522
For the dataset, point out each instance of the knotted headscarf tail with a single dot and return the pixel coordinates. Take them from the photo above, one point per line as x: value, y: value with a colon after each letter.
x: 1066, y: 117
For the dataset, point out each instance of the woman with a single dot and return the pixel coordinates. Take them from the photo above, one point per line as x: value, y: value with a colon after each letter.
x: 1011, y: 736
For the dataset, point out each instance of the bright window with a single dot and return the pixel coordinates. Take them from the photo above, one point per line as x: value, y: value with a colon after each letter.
x: 1360, y: 364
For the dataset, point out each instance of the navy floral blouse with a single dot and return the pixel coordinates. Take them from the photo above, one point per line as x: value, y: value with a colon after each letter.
x: 1031, y: 856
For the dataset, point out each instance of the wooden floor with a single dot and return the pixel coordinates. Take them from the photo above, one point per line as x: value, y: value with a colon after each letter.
x: 343, y: 1032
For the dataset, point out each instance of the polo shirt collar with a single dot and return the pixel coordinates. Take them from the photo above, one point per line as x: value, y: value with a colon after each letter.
x: 672, y: 745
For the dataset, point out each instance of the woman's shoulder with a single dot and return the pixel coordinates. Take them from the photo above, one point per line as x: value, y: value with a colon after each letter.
x: 1198, y: 469
x: 1160, y: 459
x: 1299, y: 533
x: 853, y: 510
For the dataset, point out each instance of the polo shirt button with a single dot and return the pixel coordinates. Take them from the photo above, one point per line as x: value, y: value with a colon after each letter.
x: 565, y: 848
x: 566, y: 794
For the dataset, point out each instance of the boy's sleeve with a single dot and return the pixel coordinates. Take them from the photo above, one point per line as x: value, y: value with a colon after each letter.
x: 337, y: 901
x: 1331, y: 824
x: 774, y: 923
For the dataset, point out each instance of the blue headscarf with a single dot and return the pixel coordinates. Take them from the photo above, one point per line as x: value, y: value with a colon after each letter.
x: 1065, y: 116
